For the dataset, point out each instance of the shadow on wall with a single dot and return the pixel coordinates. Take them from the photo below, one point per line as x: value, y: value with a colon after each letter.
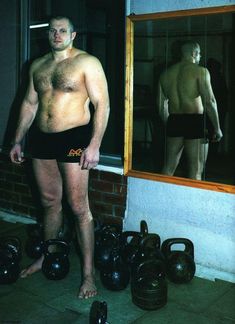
x: 15, y: 108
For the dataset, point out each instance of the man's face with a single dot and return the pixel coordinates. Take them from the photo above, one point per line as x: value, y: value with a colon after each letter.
x: 197, y: 55
x: 60, y: 35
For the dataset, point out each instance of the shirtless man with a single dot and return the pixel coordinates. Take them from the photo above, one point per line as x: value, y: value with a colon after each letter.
x: 63, y: 147
x: 184, y: 97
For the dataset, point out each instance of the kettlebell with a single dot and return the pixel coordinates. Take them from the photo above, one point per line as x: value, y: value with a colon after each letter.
x: 34, y: 242
x: 10, y: 255
x: 149, y: 248
x: 12, y: 244
x: 103, y: 249
x: 130, y: 241
x: 102, y: 230
x: 115, y: 275
x: 149, y: 286
x: 143, y: 232
x: 98, y: 313
x: 56, y: 264
x: 180, y: 265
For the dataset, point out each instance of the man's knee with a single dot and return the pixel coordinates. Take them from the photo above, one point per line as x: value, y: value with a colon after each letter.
x: 51, y: 201
x: 82, y: 212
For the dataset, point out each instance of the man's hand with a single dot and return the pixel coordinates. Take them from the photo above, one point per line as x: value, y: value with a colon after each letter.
x: 89, y: 158
x: 16, y: 154
x: 217, y: 136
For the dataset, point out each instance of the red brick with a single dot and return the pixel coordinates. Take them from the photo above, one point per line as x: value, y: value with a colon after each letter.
x: 102, y: 208
x: 111, y: 177
x: 27, y: 201
x: 102, y: 186
x: 120, y: 189
x: 94, y: 174
x: 20, y: 209
x: 19, y: 169
x: 6, y: 185
x: 22, y: 188
x: 5, y: 205
x: 13, y: 177
x: 114, y: 199
x: 9, y: 196
x: 119, y: 211
x: 95, y: 195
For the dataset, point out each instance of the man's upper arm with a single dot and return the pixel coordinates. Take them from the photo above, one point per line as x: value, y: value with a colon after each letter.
x: 95, y: 81
x: 31, y: 96
x: 161, y: 98
x: 205, y: 87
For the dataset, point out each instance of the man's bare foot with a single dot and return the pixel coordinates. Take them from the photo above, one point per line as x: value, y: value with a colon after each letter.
x: 34, y: 267
x: 88, y: 288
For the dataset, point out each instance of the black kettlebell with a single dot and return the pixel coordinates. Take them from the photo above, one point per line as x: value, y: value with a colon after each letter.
x: 10, y: 255
x: 130, y: 241
x: 98, y: 313
x: 149, y: 286
x: 56, y: 264
x: 12, y: 244
x: 34, y: 242
x: 103, y: 249
x: 149, y: 248
x: 180, y: 265
x: 143, y: 232
x: 115, y: 275
x: 101, y: 230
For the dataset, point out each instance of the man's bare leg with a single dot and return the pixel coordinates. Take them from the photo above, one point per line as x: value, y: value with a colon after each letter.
x: 50, y: 189
x: 196, y: 151
x: 85, y: 235
x: 174, y: 149
x: 76, y: 186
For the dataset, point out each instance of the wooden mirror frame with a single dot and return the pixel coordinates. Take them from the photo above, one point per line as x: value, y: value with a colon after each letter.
x: 128, y: 171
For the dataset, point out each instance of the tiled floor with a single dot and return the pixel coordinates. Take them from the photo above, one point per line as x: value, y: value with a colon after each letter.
x: 39, y: 300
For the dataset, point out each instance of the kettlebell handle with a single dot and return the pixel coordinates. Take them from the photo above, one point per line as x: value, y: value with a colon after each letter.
x: 64, y: 245
x: 127, y: 234
x: 148, y: 238
x: 141, y: 269
x: 143, y: 227
x: 11, y: 240
x: 188, y: 246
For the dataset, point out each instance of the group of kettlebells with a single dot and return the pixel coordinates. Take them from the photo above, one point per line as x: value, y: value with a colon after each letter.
x: 10, y: 257
x: 55, y: 264
x: 140, y: 258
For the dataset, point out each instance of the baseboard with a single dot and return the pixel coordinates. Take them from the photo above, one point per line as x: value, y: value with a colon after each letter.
x: 16, y: 218
x: 213, y: 274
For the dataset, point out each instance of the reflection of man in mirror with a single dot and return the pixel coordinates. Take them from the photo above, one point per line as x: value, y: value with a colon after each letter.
x: 220, y: 89
x: 184, y: 96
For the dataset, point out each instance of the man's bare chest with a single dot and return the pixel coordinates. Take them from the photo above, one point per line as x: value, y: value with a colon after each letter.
x: 65, y: 76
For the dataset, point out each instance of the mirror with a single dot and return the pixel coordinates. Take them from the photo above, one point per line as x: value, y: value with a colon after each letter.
x: 153, y: 46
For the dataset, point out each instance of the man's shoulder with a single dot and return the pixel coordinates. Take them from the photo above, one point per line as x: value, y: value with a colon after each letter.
x: 39, y: 61
x: 85, y: 56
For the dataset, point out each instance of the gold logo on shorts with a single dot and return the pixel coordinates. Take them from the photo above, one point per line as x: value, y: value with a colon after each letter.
x: 75, y: 152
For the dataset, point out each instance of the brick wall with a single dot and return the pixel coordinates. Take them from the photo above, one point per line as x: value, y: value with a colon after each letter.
x: 107, y: 192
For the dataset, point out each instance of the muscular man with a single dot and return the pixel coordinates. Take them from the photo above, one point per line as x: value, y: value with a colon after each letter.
x: 62, y: 84
x: 184, y: 97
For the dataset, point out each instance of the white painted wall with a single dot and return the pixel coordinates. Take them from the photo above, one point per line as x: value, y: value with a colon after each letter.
x: 205, y: 217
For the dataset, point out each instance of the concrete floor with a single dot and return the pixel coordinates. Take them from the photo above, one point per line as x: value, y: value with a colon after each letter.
x: 39, y: 300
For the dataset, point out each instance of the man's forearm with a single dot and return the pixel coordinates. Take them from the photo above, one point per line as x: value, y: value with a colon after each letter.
x: 213, y: 115
x: 26, y: 118
x: 101, y: 116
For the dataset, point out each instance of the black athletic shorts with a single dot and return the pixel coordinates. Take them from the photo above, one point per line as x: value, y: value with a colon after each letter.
x: 65, y: 146
x: 189, y: 126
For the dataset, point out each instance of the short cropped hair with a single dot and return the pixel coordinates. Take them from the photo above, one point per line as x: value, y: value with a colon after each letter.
x: 189, y: 47
x: 71, y: 25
